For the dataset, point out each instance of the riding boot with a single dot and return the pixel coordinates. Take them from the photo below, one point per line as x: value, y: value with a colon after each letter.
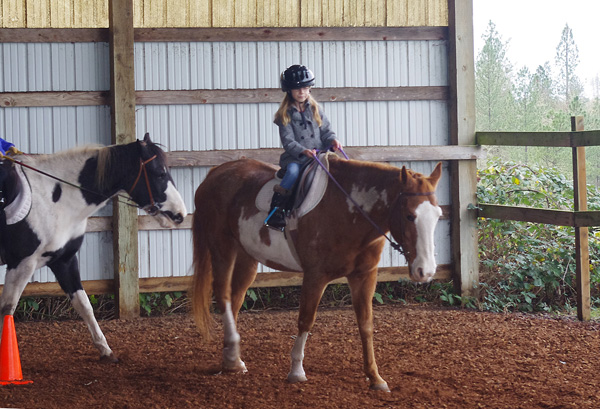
x: 276, y: 219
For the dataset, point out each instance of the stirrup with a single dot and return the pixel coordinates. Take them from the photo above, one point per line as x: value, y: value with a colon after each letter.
x: 274, y: 223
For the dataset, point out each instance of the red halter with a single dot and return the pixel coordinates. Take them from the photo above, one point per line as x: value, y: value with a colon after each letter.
x: 137, y: 179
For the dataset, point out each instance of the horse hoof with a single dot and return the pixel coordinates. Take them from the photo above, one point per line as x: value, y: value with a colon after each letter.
x: 292, y: 378
x: 110, y: 359
x: 238, y: 367
x: 380, y: 387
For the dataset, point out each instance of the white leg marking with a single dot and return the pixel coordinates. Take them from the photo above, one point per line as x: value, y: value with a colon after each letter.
x: 231, y: 343
x: 297, y: 371
x: 82, y: 305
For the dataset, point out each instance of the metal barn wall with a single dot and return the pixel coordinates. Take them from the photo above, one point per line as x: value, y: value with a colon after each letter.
x: 214, y: 65
x: 32, y: 67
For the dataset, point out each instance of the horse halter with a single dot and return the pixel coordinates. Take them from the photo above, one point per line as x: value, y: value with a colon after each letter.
x: 153, y: 208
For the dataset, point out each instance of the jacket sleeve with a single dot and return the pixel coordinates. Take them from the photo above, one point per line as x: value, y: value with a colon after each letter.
x: 289, y: 143
x: 327, y: 135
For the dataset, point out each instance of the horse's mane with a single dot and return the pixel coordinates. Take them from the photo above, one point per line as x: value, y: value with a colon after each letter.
x: 106, y: 160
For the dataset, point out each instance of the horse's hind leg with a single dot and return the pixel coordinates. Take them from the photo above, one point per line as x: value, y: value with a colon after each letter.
x: 362, y: 288
x: 66, y: 271
x: 232, y: 275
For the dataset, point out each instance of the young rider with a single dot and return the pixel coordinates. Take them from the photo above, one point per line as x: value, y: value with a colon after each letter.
x: 303, y: 129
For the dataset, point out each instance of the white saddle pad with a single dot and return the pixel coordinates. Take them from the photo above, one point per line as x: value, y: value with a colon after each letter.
x: 20, y: 207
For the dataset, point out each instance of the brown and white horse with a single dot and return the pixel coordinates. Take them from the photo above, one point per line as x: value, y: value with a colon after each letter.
x: 334, y: 240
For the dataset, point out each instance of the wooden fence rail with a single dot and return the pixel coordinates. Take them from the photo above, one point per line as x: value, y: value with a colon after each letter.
x: 580, y: 218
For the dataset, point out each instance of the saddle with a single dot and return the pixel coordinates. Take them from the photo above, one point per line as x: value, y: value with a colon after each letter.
x: 15, y: 193
x: 306, y: 194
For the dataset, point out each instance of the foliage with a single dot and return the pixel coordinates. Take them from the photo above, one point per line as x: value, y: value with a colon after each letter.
x: 529, y: 266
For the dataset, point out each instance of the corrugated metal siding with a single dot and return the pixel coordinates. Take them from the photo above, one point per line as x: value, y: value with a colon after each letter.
x: 221, y: 65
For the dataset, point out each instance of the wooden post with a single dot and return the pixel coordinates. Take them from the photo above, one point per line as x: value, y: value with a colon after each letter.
x: 465, y: 256
x: 582, y: 251
x: 122, y: 86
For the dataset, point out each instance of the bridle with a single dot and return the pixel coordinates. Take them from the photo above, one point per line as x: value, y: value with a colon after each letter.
x: 395, y: 246
x: 153, y: 209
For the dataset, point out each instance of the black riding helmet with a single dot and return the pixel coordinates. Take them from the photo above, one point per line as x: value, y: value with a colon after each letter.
x: 295, y: 77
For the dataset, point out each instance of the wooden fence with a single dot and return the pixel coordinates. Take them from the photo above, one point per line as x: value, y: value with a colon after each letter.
x: 580, y: 218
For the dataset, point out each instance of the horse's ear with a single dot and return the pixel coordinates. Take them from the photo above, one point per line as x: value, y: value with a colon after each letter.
x: 147, y: 138
x: 404, y: 174
x: 434, y: 178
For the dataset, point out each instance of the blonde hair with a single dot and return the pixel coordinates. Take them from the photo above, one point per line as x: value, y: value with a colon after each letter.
x: 282, y: 116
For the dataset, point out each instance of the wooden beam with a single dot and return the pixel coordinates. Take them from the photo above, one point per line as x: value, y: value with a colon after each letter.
x: 582, y: 249
x: 549, y: 139
x: 292, y: 34
x: 168, y: 284
x: 54, y: 99
x: 54, y: 35
x: 85, y: 35
x: 368, y: 153
x: 527, y: 214
x: 463, y: 173
x: 274, y: 95
x: 125, y: 230
x: 221, y: 96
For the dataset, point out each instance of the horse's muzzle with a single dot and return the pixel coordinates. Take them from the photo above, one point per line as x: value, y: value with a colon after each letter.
x: 176, y: 218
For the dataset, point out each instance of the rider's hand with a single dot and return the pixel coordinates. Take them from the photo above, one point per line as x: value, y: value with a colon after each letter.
x: 311, y: 153
x: 336, y: 145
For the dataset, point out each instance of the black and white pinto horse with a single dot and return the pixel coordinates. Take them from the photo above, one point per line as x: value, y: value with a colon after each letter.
x: 44, y: 219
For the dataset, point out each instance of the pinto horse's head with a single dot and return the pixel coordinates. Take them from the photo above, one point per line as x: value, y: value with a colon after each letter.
x: 154, y: 189
x: 413, y: 219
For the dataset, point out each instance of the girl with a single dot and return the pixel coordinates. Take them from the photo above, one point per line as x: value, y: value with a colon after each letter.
x: 303, y: 129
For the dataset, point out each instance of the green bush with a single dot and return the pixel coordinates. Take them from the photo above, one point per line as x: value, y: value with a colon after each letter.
x: 530, y: 266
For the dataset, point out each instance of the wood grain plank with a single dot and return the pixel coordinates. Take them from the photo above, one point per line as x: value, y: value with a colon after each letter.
x: 370, y: 153
x: 177, y: 34
x: 168, y: 284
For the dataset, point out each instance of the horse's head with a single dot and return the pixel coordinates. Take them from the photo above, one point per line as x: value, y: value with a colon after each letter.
x: 413, y: 219
x: 154, y: 189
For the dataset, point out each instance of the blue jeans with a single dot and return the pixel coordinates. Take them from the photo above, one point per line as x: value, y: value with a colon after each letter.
x: 291, y: 174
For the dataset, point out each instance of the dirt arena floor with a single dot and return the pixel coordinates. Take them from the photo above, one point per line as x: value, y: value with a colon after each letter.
x: 430, y: 357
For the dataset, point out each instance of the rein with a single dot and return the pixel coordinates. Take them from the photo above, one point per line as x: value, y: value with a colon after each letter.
x: 142, y: 165
x: 395, y: 246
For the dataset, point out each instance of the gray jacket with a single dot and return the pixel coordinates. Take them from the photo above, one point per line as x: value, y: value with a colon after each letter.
x: 303, y: 132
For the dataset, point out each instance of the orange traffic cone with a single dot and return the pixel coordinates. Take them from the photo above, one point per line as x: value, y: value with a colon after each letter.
x: 10, y: 361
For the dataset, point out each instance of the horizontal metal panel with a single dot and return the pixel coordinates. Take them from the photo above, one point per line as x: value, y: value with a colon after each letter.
x: 54, y: 67
x: 251, y: 65
x: 250, y: 126
x: 51, y: 129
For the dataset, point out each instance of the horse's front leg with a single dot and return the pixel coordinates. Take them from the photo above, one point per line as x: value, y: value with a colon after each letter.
x: 66, y: 270
x: 311, y: 293
x: 362, y: 288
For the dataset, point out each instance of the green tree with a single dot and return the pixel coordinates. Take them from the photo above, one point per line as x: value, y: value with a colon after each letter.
x: 493, y: 86
x: 567, y: 60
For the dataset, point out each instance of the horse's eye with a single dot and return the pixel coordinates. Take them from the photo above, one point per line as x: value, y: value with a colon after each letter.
x: 411, y: 218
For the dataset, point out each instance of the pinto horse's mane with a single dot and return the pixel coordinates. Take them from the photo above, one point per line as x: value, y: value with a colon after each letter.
x: 110, y: 157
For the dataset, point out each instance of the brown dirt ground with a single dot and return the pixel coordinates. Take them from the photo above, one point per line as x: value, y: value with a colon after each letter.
x: 430, y: 357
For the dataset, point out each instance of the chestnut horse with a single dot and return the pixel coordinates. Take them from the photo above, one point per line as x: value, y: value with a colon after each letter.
x: 333, y: 240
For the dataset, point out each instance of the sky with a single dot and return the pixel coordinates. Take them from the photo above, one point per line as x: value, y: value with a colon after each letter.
x: 533, y: 30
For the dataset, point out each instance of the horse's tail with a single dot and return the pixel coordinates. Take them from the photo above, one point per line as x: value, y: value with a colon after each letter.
x: 202, y: 282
